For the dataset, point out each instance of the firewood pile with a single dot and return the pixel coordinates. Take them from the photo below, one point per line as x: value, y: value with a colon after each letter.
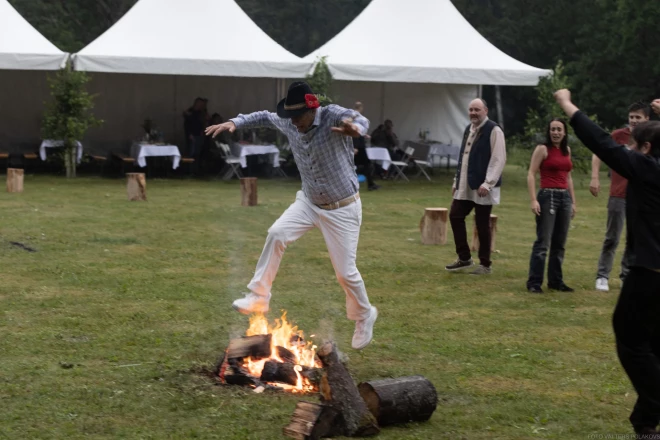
x: 344, y: 408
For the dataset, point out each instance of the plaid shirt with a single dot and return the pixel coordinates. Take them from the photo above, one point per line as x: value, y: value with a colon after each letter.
x: 324, y: 158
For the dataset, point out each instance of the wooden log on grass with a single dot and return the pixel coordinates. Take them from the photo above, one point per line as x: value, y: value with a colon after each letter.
x: 311, y: 421
x: 136, y: 186
x: 339, y: 392
x: 400, y: 400
x: 433, y: 226
x: 248, y: 191
x: 14, y: 180
x: 493, y: 230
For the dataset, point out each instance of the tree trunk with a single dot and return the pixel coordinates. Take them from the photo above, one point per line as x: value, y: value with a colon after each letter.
x: 493, y: 230
x: 400, y: 400
x: 433, y: 226
x: 70, y: 161
x: 136, y: 186
x: 14, y: 180
x: 248, y: 191
x: 340, y: 393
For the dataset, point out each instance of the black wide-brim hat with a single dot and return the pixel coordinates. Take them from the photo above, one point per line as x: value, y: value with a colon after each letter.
x: 299, y: 99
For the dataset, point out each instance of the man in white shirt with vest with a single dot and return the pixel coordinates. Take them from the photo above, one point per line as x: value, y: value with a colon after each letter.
x: 477, y: 186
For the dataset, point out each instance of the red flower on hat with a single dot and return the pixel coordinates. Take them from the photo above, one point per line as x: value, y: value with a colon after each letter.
x: 312, y: 101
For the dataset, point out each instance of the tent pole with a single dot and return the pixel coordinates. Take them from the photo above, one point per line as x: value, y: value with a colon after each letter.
x: 498, y: 103
x: 174, y: 112
x: 382, y: 103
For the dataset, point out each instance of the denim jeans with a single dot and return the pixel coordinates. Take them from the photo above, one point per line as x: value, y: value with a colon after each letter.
x: 551, y: 232
x: 616, y: 216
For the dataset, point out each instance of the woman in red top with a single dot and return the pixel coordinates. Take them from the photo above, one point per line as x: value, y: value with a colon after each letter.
x: 554, y: 207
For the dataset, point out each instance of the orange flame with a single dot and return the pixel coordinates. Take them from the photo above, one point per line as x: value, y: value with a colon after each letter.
x: 288, y: 336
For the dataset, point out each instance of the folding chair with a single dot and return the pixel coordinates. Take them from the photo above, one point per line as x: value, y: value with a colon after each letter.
x: 279, y: 170
x: 233, y: 163
x: 399, y: 165
x: 421, y: 164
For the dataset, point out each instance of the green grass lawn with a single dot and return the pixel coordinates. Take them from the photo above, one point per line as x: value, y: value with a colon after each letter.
x: 106, y: 328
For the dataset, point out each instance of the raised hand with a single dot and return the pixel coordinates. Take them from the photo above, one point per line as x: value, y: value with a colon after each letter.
x: 655, y: 105
x: 347, y: 128
x: 214, y: 130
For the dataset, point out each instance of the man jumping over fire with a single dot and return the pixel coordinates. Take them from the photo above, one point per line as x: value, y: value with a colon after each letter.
x: 320, y: 139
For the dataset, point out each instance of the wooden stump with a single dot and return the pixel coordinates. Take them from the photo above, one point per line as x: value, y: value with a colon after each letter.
x: 433, y: 226
x: 136, y: 186
x: 493, y: 230
x: 14, y: 180
x: 339, y: 392
x: 311, y: 421
x: 248, y: 191
x: 401, y: 400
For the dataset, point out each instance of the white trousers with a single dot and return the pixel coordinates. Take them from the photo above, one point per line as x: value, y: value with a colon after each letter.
x: 340, y: 229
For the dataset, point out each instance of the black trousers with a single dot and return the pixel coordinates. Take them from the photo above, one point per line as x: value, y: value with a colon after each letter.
x: 364, y: 165
x: 459, y: 210
x: 637, y: 329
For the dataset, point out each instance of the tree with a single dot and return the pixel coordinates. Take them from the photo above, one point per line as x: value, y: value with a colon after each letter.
x: 68, y: 116
x: 320, y: 81
x: 547, y: 109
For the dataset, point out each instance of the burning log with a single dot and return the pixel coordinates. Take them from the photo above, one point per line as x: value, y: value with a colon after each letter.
x: 279, y: 372
x: 257, y: 347
x: 285, y: 354
x: 339, y: 392
x: 311, y: 421
x: 400, y: 400
x: 231, y: 372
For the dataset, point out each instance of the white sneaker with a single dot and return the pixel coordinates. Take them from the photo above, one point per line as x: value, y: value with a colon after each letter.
x: 252, y: 303
x: 364, y: 330
x: 602, y: 285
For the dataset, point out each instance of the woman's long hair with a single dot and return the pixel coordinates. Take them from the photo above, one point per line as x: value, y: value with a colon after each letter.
x: 563, y: 146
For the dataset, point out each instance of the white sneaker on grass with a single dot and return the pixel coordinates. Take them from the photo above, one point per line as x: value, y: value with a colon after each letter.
x: 252, y: 303
x: 602, y: 285
x: 364, y: 330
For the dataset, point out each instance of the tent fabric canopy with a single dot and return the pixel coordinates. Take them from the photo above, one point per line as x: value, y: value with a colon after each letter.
x: 189, y: 37
x: 22, y: 47
x: 420, y: 41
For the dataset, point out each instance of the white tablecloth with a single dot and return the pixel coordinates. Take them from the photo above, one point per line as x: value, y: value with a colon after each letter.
x: 249, y: 150
x: 438, y: 154
x: 49, y: 143
x: 380, y: 154
x: 141, y: 151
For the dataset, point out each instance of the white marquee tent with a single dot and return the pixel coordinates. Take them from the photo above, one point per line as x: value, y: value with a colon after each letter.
x: 189, y: 37
x: 25, y: 55
x: 419, y: 63
x: 162, y: 54
x: 22, y: 47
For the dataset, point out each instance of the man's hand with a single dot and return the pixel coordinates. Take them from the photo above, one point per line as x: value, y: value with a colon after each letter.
x: 482, y: 191
x: 573, y: 211
x: 214, y: 130
x: 453, y: 190
x: 655, y: 105
x: 563, y: 98
x: 594, y: 187
x: 536, y: 207
x: 347, y: 128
